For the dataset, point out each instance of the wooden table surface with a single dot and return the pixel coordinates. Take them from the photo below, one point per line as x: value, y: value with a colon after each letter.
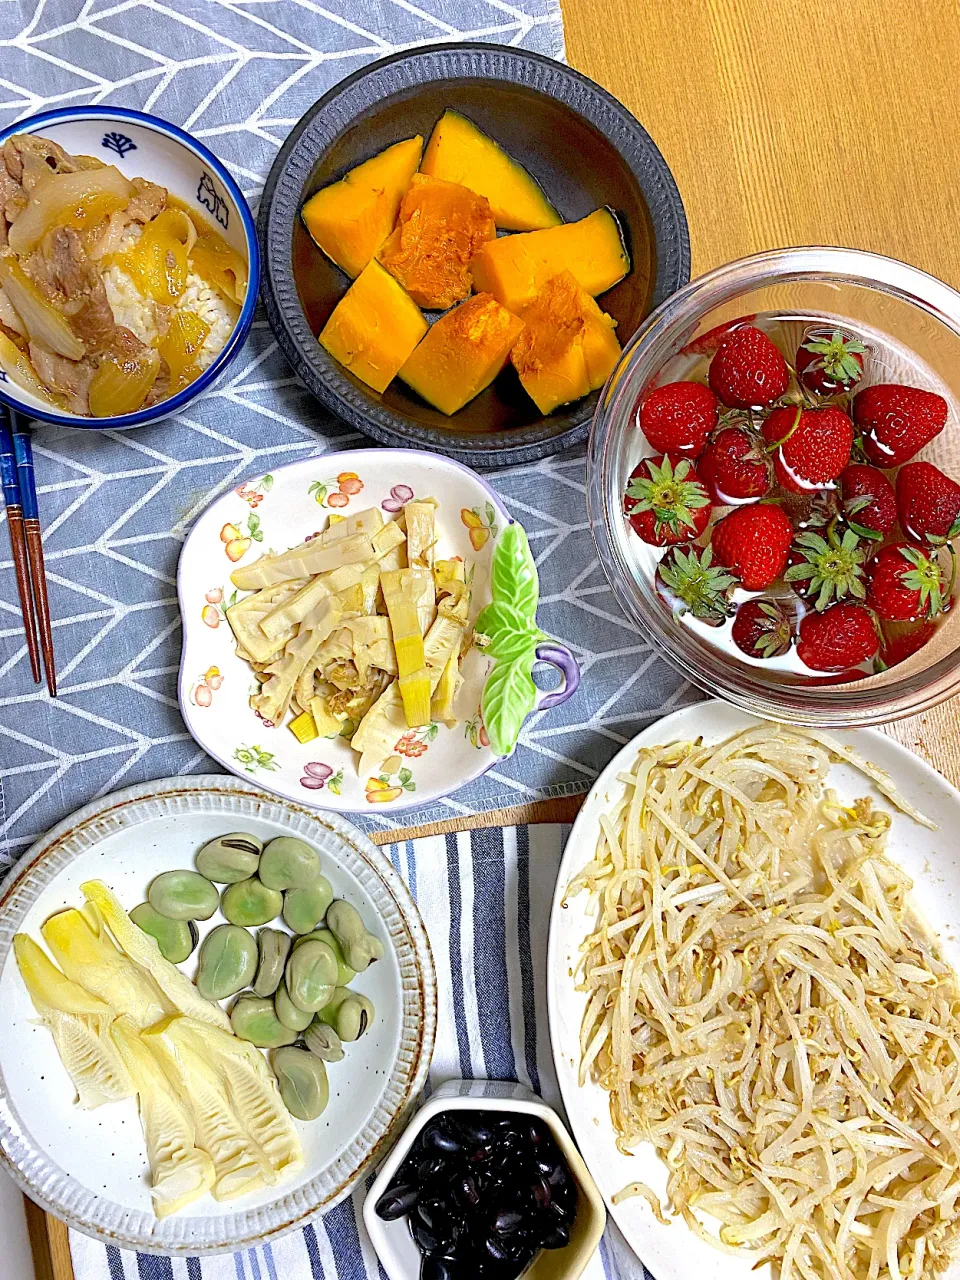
x: 784, y: 123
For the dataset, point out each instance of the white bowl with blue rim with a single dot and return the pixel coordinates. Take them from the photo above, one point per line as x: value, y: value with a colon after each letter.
x: 144, y: 146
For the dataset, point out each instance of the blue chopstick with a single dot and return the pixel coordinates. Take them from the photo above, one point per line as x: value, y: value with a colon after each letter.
x: 23, y: 452
x: 11, y: 496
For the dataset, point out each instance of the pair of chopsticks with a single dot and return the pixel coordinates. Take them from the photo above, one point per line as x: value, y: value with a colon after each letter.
x: 23, y: 522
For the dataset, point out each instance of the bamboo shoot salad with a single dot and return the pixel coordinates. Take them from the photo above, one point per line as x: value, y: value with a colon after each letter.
x: 766, y: 1008
x: 357, y: 632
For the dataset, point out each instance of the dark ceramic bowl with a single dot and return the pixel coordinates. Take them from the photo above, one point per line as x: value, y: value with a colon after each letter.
x: 584, y: 148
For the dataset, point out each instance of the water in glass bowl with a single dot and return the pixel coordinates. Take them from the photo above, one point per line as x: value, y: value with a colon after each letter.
x: 884, y: 361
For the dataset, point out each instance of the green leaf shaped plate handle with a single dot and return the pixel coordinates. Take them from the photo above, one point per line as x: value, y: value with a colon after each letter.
x: 515, y: 642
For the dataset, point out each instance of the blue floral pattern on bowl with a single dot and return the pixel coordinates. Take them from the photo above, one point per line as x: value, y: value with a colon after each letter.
x: 118, y: 142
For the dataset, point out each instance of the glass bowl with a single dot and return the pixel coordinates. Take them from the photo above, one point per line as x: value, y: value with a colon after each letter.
x: 913, y: 321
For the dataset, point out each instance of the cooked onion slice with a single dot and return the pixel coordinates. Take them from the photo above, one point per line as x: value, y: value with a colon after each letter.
x: 16, y: 365
x: 44, y: 323
x: 75, y: 200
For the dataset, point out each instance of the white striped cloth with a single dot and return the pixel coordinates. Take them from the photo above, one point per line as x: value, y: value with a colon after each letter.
x: 485, y: 898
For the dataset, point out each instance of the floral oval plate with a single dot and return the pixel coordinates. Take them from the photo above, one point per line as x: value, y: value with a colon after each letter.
x: 282, y: 509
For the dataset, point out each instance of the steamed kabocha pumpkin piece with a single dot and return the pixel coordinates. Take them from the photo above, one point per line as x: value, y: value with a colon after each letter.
x: 462, y: 353
x: 515, y: 268
x: 350, y: 219
x: 374, y: 328
x: 568, y: 346
x: 441, y: 227
x: 460, y: 152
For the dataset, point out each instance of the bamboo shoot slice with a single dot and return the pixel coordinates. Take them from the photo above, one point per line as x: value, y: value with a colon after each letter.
x: 413, y: 678
x: 98, y: 966
x: 291, y: 612
x: 176, y: 987
x: 274, y: 697
x: 295, y: 563
x: 238, y: 1162
x: 180, y: 1171
x: 252, y: 1088
x: 421, y: 533
x: 80, y: 1025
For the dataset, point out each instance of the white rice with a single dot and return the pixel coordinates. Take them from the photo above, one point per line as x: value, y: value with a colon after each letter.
x: 139, y: 314
x: 214, y: 311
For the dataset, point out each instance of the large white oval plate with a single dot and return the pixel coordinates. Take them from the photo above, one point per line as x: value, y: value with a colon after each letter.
x: 89, y: 1167
x: 673, y: 1252
x: 282, y: 509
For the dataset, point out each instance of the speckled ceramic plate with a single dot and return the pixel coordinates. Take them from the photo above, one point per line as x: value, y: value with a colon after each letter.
x: 277, y: 511
x: 90, y: 1167
x: 673, y: 1252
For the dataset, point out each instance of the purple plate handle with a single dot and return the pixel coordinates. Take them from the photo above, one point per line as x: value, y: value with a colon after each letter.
x: 559, y: 656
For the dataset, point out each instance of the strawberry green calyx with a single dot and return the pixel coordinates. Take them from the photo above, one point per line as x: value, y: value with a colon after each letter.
x: 926, y: 576
x: 669, y: 494
x: 774, y: 637
x: 837, y: 357
x: 828, y: 569
x: 851, y: 508
x: 697, y: 585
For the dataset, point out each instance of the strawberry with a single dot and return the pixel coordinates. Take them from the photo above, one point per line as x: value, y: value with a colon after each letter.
x: 814, y: 446
x: 666, y: 501
x: 896, y: 421
x: 735, y: 467
x: 692, y: 583
x: 707, y: 343
x: 753, y: 542
x: 748, y: 370
x: 869, y: 503
x: 825, y: 569
x: 762, y: 629
x: 904, y: 646
x: 906, y: 585
x: 928, y: 503
x: 829, y: 362
x: 678, y: 417
x: 843, y: 636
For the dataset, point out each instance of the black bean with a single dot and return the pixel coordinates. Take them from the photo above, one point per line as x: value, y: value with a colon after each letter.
x: 556, y: 1237
x: 481, y: 1153
x: 507, y: 1222
x: 542, y: 1193
x: 439, y: 1138
x: 397, y: 1200
x: 432, y: 1268
x: 425, y: 1239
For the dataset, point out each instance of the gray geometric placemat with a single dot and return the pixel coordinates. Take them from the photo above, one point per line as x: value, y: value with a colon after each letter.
x: 116, y: 507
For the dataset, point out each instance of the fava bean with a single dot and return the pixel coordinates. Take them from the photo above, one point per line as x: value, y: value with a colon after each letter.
x: 249, y: 903
x: 288, y: 1013
x: 183, y: 895
x: 288, y: 863
x: 345, y: 975
x: 303, y: 909
x: 274, y: 947
x: 228, y: 962
x: 230, y: 858
x: 348, y: 1012
x: 253, y: 1018
x: 302, y: 1079
x: 360, y: 947
x: 323, y: 1041
x: 311, y: 976
x: 175, y: 938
